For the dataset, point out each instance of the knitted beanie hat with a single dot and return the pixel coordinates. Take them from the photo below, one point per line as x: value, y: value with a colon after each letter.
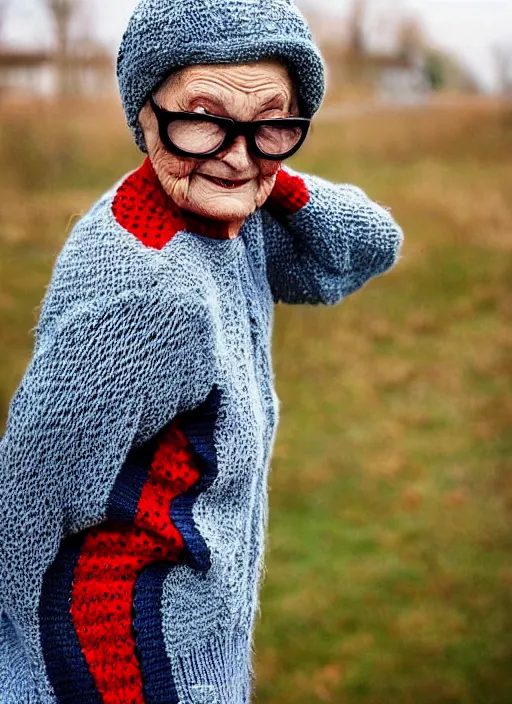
x: 166, y: 35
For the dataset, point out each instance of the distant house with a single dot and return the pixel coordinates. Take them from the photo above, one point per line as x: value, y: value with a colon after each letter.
x: 401, y: 79
x: 41, y: 73
x: 393, y: 78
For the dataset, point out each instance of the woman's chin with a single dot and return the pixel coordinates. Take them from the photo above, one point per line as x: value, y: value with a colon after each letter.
x: 231, y: 207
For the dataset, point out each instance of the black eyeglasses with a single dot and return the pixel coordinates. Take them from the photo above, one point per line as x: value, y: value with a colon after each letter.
x: 201, y: 136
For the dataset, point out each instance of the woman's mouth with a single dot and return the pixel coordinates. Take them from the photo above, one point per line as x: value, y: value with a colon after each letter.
x: 229, y: 184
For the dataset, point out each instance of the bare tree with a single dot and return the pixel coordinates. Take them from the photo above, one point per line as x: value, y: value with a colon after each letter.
x: 410, y: 39
x: 4, y: 6
x: 356, y: 27
x: 503, y: 63
x: 62, y: 14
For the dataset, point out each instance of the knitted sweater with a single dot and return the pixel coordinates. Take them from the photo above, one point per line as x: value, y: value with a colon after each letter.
x: 135, y: 459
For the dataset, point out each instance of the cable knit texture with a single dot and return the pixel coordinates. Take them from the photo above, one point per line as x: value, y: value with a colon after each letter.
x: 135, y: 459
x: 166, y: 35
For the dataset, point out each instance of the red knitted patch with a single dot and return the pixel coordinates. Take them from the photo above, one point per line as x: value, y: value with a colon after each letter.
x: 111, y: 559
x: 143, y: 208
x: 289, y: 195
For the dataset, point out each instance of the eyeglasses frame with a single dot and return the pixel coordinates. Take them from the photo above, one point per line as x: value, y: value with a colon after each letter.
x: 234, y: 128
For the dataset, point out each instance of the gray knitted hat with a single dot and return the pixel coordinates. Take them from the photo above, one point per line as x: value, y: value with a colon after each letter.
x: 166, y: 35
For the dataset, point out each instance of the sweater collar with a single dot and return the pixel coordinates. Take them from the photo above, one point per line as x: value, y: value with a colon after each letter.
x: 143, y: 208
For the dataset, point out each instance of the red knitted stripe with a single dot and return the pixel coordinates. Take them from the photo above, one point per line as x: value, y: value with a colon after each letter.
x: 289, y: 195
x: 112, y: 556
x: 143, y: 208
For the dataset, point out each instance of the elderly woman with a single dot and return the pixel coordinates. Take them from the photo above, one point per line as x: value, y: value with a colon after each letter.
x: 134, y: 464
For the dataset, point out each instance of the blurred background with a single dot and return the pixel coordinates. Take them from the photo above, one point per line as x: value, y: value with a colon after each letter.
x: 389, y: 571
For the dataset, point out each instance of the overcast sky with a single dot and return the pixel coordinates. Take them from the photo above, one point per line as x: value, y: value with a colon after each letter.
x: 469, y: 28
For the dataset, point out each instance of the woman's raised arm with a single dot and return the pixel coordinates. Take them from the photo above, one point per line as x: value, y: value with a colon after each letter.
x: 324, y: 241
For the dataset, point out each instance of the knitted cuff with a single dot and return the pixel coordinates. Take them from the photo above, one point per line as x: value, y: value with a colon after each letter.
x: 290, y: 194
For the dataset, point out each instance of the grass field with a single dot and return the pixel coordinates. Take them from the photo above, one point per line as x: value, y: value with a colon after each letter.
x: 389, y: 570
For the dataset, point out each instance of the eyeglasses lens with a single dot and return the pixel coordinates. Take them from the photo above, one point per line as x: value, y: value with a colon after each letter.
x: 277, y: 140
x: 196, y: 137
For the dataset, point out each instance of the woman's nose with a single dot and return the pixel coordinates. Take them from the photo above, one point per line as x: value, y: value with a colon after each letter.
x: 237, y: 156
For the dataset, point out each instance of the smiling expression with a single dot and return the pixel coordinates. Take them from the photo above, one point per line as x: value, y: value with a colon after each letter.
x: 233, y: 184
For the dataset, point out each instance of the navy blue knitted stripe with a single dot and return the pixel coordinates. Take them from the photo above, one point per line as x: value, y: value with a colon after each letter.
x: 66, y: 666
x: 125, y: 496
x: 198, y: 426
x: 158, y: 683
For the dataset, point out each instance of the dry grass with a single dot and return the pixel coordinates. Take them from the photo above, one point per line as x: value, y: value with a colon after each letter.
x: 389, y: 575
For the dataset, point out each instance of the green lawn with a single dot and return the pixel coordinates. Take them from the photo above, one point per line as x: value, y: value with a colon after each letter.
x: 389, y: 572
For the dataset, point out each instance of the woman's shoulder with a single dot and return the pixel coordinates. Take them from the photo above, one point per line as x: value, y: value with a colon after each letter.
x: 102, y: 266
x: 155, y: 312
x: 103, y: 256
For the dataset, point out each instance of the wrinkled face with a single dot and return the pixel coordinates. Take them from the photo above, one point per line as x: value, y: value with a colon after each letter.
x: 243, y: 92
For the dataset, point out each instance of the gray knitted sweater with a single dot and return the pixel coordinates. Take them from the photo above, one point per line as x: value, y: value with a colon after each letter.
x: 134, y: 464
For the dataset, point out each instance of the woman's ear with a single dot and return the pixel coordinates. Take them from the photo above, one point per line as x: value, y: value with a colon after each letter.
x: 294, y: 108
x: 149, y: 125
x: 145, y: 116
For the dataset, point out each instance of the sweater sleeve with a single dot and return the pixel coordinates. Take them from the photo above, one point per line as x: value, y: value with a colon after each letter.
x: 108, y: 372
x: 324, y: 241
